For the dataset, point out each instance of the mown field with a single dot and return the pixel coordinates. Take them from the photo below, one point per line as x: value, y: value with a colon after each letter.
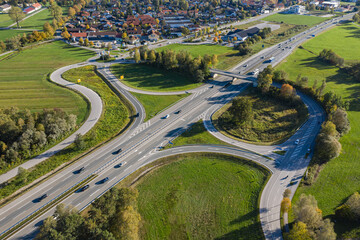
x: 340, y: 177
x: 273, y: 121
x: 201, y: 196
x: 5, y: 20
x: 24, y: 82
x: 295, y: 19
x: 154, y: 104
x: 149, y: 78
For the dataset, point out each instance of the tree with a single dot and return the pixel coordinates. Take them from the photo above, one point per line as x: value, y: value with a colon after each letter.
x: 152, y: 56
x: 350, y: 210
x: 129, y: 224
x: 299, y: 232
x: 81, y: 41
x: 137, y: 56
x: 306, y: 211
x: 329, y: 128
x: 87, y: 42
x: 280, y: 75
x: 214, y: 60
x: 71, y: 12
x: 326, y: 231
x: 264, y: 82
x: 287, y: 193
x: 66, y: 35
x: 185, y: 30
x: 16, y: 14
x: 48, y: 29
x: 320, y: 90
x: 124, y: 35
x: 326, y: 148
x: 287, y: 91
x: 285, y: 205
x: 341, y: 121
x: 79, y: 142
x: 23, y: 174
x: 55, y: 10
x: 241, y: 110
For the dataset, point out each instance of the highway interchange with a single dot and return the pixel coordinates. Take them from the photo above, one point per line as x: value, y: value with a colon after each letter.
x: 141, y: 143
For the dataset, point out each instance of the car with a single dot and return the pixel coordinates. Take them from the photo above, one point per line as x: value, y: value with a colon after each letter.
x: 83, y: 188
x: 177, y: 112
x: 262, y: 57
x: 245, y: 65
x: 308, y: 150
x: 120, y: 164
x: 118, y: 151
x: 297, y: 141
x: 81, y: 169
x: 211, y: 86
x: 166, y: 116
x: 104, y: 180
x: 137, y: 115
x: 42, y: 197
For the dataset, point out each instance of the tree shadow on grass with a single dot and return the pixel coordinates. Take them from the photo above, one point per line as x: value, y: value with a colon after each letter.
x: 252, y: 231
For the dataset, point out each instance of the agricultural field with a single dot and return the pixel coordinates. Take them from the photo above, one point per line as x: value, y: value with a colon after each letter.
x: 201, y: 196
x: 149, y: 78
x: 273, y: 121
x: 340, y: 177
x: 5, y: 20
x: 37, y: 21
x: 24, y: 79
x: 295, y: 19
x: 8, y: 33
x: 154, y: 104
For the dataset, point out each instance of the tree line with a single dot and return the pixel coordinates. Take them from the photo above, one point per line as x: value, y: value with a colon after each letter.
x: 24, y: 134
x: 112, y: 216
x: 329, y: 56
x: 197, y: 68
x: 244, y: 47
x: 309, y: 223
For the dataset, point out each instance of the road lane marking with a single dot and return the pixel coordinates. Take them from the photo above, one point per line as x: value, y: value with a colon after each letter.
x: 94, y: 192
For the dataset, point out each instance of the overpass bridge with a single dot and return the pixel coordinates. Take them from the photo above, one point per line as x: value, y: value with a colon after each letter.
x: 234, y: 76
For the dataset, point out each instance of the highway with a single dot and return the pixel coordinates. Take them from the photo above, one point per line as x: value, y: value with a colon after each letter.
x: 142, y: 142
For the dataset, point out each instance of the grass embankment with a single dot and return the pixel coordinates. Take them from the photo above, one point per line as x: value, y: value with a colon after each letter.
x: 295, y: 19
x: 149, y: 78
x: 5, y: 20
x: 340, y: 177
x: 197, y: 134
x: 154, y: 104
x: 112, y: 121
x: 24, y: 82
x: 273, y: 121
x: 9, y: 33
x: 200, y: 196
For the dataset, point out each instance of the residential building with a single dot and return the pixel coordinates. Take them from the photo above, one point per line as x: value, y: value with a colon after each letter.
x: 5, y: 8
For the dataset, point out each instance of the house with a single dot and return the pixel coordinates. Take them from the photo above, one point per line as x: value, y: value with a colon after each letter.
x: 133, y: 40
x: 37, y: 6
x: 297, y: 9
x: 240, y: 35
x: 102, y: 35
x: 77, y: 35
x: 29, y: 10
x: 5, y: 8
x: 332, y: 4
x: 153, y: 36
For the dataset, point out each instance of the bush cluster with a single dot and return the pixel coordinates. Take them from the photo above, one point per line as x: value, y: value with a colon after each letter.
x: 24, y: 134
x: 244, y: 47
x: 329, y: 56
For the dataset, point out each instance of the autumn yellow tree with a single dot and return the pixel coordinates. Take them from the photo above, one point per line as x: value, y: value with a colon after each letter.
x: 287, y: 90
x: 285, y: 205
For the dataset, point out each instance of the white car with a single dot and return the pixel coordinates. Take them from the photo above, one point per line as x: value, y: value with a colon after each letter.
x: 166, y: 116
x: 297, y: 141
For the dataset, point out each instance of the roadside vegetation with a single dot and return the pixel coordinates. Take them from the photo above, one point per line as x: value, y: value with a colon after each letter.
x: 112, y: 216
x: 148, y: 78
x: 199, y: 196
x: 295, y: 19
x: 268, y: 118
x: 113, y: 120
x: 334, y: 182
x: 154, y: 104
x: 196, y: 134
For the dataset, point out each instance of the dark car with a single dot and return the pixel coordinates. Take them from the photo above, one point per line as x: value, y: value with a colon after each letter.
x: 79, y: 170
x: 42, y: 197
x: 118, y: 151
x: 83, y: 188
x: 105, y: 180
x: 137, y: 115
x: 177, y: 112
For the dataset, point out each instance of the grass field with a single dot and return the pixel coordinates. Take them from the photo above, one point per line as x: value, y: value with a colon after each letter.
x: 24, y: 83
x: 340, y: 177
x: 227, y: 56
x: 295, y: 19
x: 5, y: 20
x: 201, y: 196
x: 150, y: 78
x: 197, y: 134
x: 8, y: 33
x: 154, y: 104
x: 273, y: 121
x: 37, y: 21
